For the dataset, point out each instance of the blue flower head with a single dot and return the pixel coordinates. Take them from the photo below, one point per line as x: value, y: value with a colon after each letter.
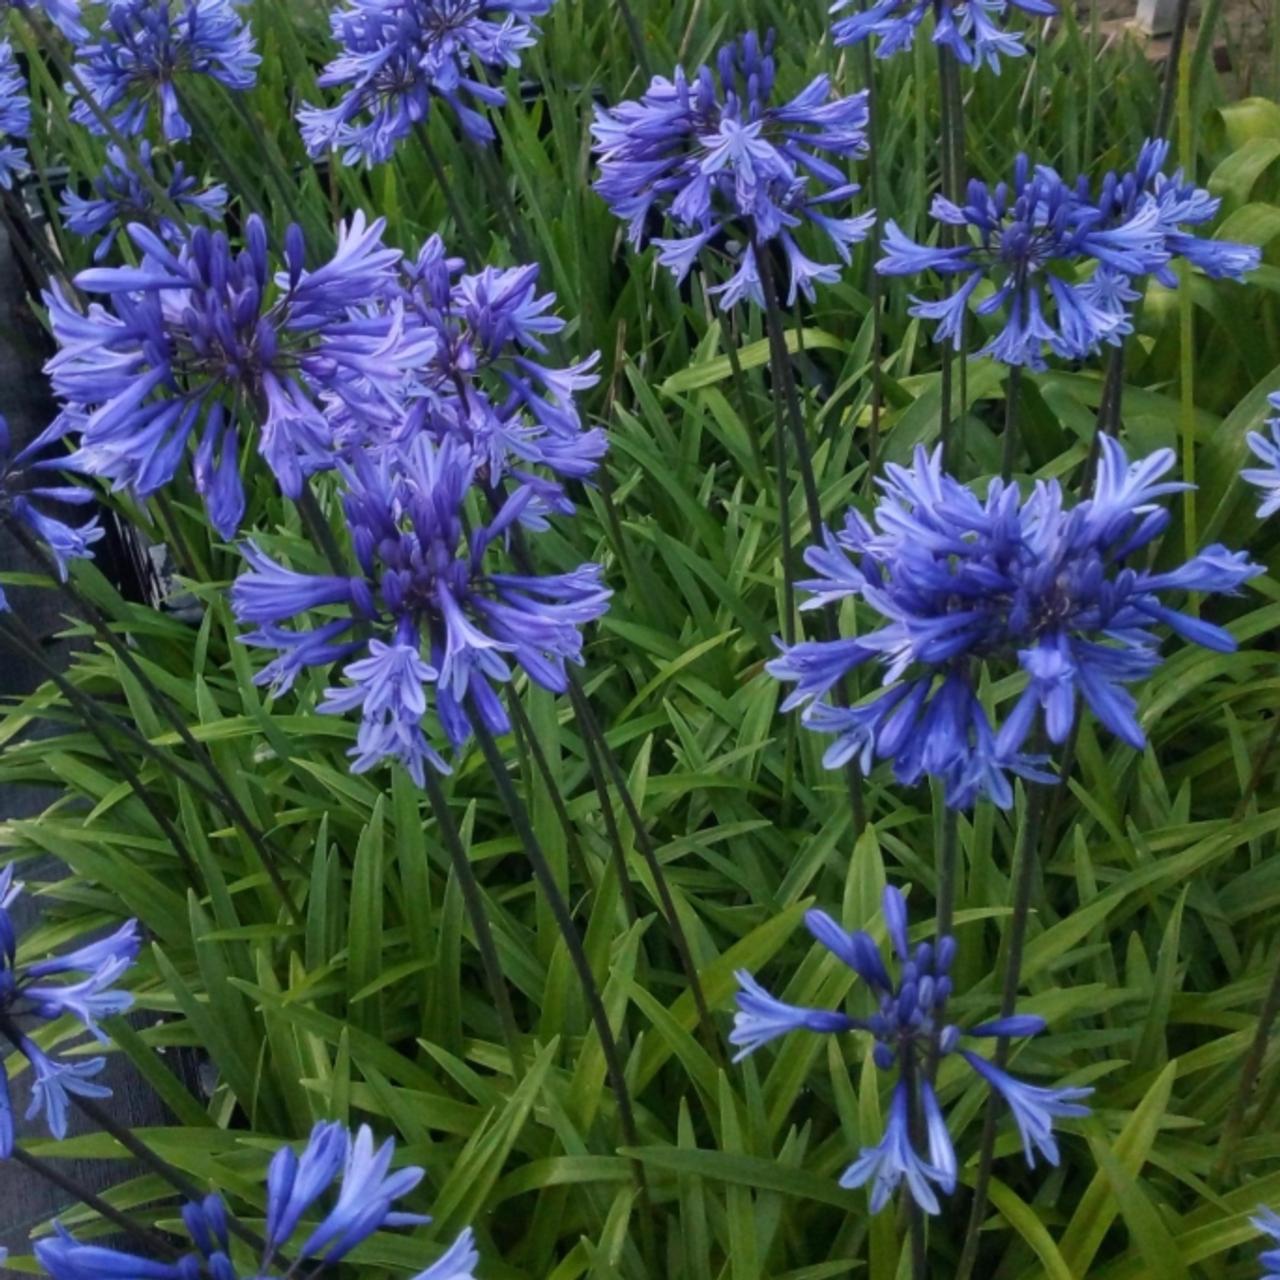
x: 1267, y: 450
x: 321, y: 1205
x: 972, y: 29
x: 443, y: 623
x: 720, y: 159
x: 1056, y: 268
x: 397, y: 55
x: 38, y: 991
x: 1060, y: 593
x: 25, y: 490
x: 15, y: 119
x: 200, y: 341
x: 147, y: 48
x: 911, y: 1033
x: 489, y: 383
x: 64, y: 14
x: 121, y: 196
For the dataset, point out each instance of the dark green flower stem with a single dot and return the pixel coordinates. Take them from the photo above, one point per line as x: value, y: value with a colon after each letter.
x: 635, y: 36
x: 875, y: 286
x: 321, y: 530
x: 1172, y: 68
x: 952, y: 164
x: 1009, y: 451
x: 473, y: 904
x: 1234, y: 1125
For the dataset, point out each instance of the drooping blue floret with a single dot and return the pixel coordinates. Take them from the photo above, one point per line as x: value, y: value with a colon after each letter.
x: 121, y: 195
x: 1268, y: 1222
x: 1061, y: 593
x: 972, y: 29
x: 145, y: 51
x: 911, y: 1033
x: 397, y: 55
x: 37, y: 991
x: 489, y: 383
x: 1267, y: 450
x: 15, y: 119
x: 716, y: 157
x: 25, y: 488
x: 321, y: 1205
x: 446, y: 629
x: 64, y: 14
x: 200, y: 342
x: 1039, y: 246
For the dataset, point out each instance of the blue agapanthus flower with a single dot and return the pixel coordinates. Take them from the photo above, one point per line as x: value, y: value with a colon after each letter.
x: 321, y: 1206
x: 15, y: 119
x: 443, y: 623
x: 64, y: 14
x: 1180, y: 206
x: 720, y: 160
x: 397, y: 55
x: 1268, y: 1221
x: 147, y: 48
x: 1051, y: 260
x: 35, y: 991
x: 25, y: 488
x: 1061, y: 593
x: 1267, y: 450
x: 912, y: 1033
x: 971, y: 29
x: 121, y: 196
x: 199, y: 341
x: 489, y: 383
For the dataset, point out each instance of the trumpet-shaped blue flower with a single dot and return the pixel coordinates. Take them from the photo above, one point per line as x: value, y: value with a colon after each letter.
x: 972, y: 29
x: 36, y: 991
x: 199, y: 341
x: 24, y: 488
x: 488, y: 382
x: 397, y: 55
x: 1058, y: 592
x: 1038, y: 245
x: 1268, y: 1222
x: 15, y: 119
x: 144, y: 51
x: 121, y: 195
x: 444, y: 624
x: 64, y: 14
x: 720, y: 159
x: 1267, y: 450
x: 911, y: 1032
x: 321, y: 1205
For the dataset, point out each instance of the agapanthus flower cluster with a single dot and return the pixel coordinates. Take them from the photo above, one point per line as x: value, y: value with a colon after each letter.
x: 1060, y: 593
x: 912, y: 1034
x: 1267, y: 450
x: 488, y: 382
x: 34, y: 992
x: 200, y: 336
x: 147, y: 48
x: 397, y: 55
x: 15, y: 119
x: 321, y: 1206
x: 122, y: 195
x: 1062, y: 267
x: 25, y: 487
x: 1268, y: 1221
x: 720, y: 160
x: 439, y: 620
x: 971, y: 29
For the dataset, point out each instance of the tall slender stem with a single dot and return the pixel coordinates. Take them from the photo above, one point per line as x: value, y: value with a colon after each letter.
x: 635, y: 35
x: 473, y: 904
x: 1014, y: 943
x: 564, y: 922
x: 1009, y: 450
x: 1249, y: 1075
x: 951, y: 153
x: 321, y: 530
x: 875, y: 286
x: 1172, y: 69
x: 948, y: 851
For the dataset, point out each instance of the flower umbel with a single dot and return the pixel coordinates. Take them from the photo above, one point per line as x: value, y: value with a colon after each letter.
x: 28, y: 996
x: 911, y: 1031
x: 956, y: 581
x: 397, y: 55
x: 144, y: 51
x: 443, y: 621
x: 321, y: 1205
x: 716, y: 156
